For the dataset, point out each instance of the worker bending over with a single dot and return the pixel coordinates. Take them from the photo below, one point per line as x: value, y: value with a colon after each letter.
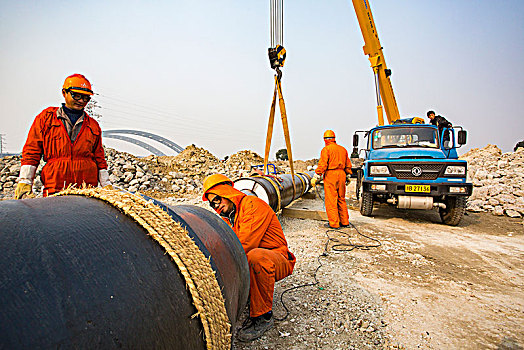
x: 334, y: 163
x: 262, y: 238
x: 70, y: 142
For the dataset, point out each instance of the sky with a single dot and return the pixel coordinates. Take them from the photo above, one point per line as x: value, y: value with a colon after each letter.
x: 197, y: 71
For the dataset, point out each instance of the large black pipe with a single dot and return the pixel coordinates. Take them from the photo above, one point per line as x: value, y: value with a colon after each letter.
x: 79, y: 274
x: 277, y: 191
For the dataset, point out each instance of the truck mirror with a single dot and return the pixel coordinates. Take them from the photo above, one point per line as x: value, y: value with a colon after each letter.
x: 462, y: 135
x: 355, y: 140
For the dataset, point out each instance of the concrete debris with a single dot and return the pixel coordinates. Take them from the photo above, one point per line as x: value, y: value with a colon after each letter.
x: 181, y: 175
x: 498, y: 180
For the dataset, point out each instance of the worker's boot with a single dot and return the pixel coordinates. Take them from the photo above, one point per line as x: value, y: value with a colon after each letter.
x: 255, y: 327
x: 327, y: 225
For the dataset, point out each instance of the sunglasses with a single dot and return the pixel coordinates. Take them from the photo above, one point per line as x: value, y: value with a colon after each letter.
x: 77, y: 97
x: 215, y: 202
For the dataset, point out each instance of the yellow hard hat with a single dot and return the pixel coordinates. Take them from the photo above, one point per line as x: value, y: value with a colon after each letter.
x: 329, y: 134
x: 213, y: 180
x: 78, y: 83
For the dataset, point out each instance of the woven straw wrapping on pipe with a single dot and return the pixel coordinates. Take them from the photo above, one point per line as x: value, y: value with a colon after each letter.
x: 193, y: 265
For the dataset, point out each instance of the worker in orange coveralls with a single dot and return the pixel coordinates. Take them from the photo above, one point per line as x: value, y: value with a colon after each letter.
x: 334, y: 163
x: 262, y: 238
x: 69, y: 141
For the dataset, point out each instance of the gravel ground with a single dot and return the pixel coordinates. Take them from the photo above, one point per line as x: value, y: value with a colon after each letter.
x: 427, y: 286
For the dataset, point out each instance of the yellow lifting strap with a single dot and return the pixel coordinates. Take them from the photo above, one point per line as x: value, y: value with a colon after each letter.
x: 283, y: 115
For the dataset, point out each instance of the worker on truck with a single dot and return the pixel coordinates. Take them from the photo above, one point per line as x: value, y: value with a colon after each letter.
x: 70, y: 142
x: 440, y: 122
x: 334, y: 163
x: 258, y: 229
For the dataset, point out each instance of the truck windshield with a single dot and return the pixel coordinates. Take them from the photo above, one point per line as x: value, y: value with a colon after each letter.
x: 405, y: 137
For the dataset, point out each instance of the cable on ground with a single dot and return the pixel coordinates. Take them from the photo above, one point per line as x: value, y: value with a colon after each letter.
x: 336, y: 247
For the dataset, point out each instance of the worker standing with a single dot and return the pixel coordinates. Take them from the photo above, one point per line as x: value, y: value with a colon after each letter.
x: 440, y: 122
x: 334, y: 163
x: 69, y: 141
x: 258, y: 229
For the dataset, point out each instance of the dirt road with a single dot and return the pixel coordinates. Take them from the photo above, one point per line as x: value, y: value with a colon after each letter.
x: 427, y: 286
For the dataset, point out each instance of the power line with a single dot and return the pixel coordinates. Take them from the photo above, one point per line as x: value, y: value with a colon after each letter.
x: 151, y: 111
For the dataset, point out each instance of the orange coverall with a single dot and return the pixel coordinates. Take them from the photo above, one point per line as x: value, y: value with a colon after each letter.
x: 334, y: 163
x: 259, y: 231
x: 66, y: 162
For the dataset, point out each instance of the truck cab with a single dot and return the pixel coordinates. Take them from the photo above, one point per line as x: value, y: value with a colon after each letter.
x: 413, y: 166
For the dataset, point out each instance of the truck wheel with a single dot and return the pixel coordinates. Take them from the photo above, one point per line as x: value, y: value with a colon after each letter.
x: 455, y: 208
x: 366, y: 202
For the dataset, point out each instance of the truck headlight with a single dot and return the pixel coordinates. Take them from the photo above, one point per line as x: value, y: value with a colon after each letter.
x: 455, y: 170
x: 378, y: 170
x: 457, y: 190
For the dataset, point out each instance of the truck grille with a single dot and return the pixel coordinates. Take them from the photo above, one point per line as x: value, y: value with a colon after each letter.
x: 405, y: 171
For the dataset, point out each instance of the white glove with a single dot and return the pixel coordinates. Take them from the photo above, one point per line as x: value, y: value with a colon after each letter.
x: 103, y: 178
x: 27, y: 174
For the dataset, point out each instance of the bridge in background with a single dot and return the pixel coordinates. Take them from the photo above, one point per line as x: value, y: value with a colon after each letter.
x: 117, y: 134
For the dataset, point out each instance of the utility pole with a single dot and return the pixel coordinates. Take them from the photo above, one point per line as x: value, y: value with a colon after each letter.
x: 2, y: 142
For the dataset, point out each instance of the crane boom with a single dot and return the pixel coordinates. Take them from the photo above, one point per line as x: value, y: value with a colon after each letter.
x: 372, y: 48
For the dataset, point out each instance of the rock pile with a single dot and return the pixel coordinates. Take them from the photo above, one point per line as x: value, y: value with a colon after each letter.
x: 128, y: 172
x: 180, y: 175
x: 498, y: 181
x: 9, y: 171
x: 498, y: 178
x: 243, y: 160
x: 185, y: 172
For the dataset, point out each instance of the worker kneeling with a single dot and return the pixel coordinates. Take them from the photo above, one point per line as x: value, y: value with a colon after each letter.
x: 262, y: 238
x: 334, y: 163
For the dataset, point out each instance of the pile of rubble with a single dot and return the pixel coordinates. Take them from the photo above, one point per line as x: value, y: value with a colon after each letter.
x: 498, y: 178
x: 131, y: 173
x: 182, y: 174
x: 498, y: 181
x: 9, y: 169
x: 185, y: 172
x: 243, y: 160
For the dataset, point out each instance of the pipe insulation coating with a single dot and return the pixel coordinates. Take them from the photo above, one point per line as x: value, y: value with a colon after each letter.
x: 79, y: 273
x: 277, y: 191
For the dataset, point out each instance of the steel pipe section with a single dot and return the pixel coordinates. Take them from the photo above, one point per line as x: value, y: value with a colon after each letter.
x: 79, y: 274
x: 277, y: 191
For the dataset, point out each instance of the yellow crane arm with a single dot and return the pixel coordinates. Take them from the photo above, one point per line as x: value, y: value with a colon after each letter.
x: 372, y: 48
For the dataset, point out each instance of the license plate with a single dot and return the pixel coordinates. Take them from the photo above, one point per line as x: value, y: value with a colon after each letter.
x: 418, y: 188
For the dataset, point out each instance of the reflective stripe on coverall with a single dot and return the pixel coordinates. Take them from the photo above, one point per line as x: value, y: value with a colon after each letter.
x: 67, y: 162
x: 334, y: 163
x: 261, y: 235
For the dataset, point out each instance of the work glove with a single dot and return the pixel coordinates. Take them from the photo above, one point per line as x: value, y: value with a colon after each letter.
x: 348, y: 179
x: 315, y: 180
x: 22, y: 189
x: 103, y: 178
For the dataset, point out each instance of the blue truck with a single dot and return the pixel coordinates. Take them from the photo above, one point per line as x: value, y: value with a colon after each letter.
x: 413, y: 166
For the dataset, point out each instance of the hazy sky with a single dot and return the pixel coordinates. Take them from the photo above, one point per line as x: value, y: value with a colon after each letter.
x: 197, y: 71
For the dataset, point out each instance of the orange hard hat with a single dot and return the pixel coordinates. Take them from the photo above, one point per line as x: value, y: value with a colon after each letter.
x: 213, y: 180
x: 329, y: 134
x: 78, y: 83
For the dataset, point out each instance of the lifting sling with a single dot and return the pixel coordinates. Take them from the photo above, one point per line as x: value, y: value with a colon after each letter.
x: 277, y: 56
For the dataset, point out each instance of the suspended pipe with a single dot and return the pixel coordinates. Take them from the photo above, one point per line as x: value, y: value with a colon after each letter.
x: 79, y: 274
x: 277, y: 191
